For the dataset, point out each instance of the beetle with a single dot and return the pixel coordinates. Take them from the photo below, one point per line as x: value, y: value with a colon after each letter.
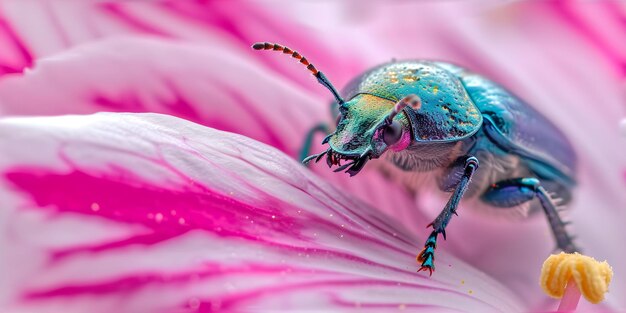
x: 432, y: 116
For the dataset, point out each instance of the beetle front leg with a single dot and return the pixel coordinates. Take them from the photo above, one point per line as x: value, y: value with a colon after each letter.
x: 427, y: 256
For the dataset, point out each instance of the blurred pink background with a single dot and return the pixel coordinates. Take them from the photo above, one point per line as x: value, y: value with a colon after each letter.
x: 192, y: 59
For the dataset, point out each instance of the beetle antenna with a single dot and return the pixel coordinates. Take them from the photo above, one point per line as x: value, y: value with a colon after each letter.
x: 321, y: 78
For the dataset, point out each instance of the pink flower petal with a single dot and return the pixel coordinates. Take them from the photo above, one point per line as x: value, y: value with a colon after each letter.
x: 173, y: 216
x: 201, y: 84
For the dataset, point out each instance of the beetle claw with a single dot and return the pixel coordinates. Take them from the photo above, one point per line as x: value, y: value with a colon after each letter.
x: 317, y: 157
x: 343, y: 167
x: 427, y: 256
x: 327, y: 138
x: 308, y: 159
x: 426, y: 268
x: 329, y: 159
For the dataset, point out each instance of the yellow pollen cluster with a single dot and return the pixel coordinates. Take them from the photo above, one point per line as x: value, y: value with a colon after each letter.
x: 591, y: 277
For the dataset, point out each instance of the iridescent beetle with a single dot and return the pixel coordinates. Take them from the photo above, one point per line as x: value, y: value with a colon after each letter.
x: 435, y: 116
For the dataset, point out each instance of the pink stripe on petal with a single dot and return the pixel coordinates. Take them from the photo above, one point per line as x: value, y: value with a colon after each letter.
x: 601, y: 25
x: 13, y: 55
x: 115, y: 9
x: 166, y: 212
x: 141, y: 280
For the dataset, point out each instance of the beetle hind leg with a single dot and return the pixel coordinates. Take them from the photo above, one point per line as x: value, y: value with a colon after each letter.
x: 512, y: 192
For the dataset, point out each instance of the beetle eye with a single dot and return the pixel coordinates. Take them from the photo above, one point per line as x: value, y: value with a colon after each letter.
x: 392, y: 133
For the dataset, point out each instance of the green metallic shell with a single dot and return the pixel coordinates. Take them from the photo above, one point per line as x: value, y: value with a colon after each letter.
x: 355, y: 130
x: 447, y: 112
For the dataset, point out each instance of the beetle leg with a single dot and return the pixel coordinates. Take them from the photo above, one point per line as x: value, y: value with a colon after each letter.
x: 516, y: 191
x: 427, y: 255
x: 308, y: 140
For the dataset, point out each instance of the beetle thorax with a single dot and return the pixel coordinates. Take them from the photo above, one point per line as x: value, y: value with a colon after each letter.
x: 423, y: 157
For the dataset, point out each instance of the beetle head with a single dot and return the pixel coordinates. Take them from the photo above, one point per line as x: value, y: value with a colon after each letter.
x: 367, y: 127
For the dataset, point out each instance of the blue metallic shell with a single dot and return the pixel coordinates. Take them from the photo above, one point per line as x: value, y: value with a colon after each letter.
x: 518, y: 128
x: 456, y: 103
x: 447, y: 113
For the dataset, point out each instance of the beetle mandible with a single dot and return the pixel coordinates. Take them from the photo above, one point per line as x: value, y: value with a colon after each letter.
x: 435, y: 116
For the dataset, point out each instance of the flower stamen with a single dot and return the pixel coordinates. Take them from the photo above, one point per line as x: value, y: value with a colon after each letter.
x: 567, y: 275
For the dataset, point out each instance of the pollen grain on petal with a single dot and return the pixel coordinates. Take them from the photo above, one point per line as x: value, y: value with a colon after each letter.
x: 591, y: 277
